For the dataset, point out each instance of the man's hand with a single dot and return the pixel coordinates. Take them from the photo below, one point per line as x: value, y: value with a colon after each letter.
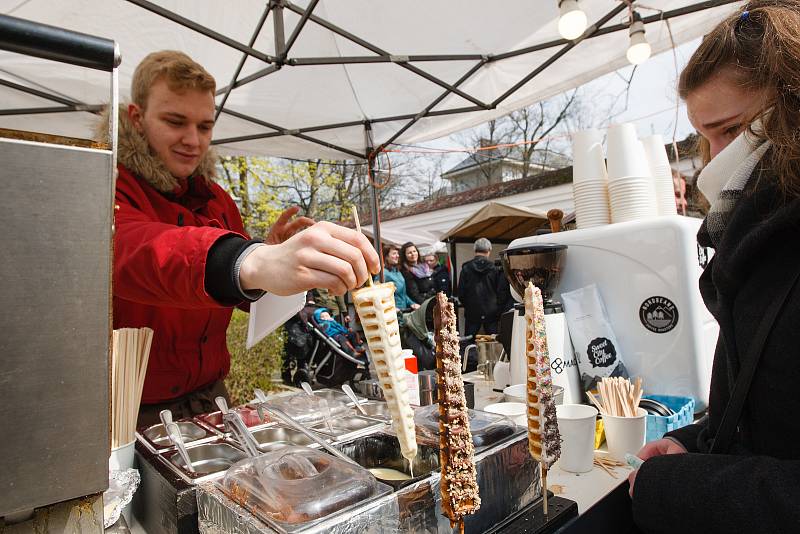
x: 655, y: 448
x: 325, y: 255
x: 414, y: 306
x: 284, y: 227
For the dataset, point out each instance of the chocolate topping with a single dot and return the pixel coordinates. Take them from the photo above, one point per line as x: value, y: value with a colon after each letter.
x: 458, y: 485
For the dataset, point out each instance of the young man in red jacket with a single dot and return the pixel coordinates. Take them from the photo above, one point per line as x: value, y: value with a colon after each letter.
x: 182, y: 258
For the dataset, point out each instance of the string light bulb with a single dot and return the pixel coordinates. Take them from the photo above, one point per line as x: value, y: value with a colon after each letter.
x: 572, y: 22
x: 639, y: 49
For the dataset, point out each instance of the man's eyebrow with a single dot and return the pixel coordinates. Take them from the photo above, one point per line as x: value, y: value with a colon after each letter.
x: 715, y: 124
x: 175, y: 115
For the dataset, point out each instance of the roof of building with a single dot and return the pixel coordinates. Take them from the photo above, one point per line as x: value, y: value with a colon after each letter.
x: 478, y: 194
x: 476, y: 159
x: 687, y: 146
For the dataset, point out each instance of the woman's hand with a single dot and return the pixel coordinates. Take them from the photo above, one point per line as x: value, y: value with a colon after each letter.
x: 325, y: 255
x: 655, y: 448
x: 284, y: 227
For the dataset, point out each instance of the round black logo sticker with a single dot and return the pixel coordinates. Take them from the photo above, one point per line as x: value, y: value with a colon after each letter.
x: 601, y: 352
x: 658, y: 314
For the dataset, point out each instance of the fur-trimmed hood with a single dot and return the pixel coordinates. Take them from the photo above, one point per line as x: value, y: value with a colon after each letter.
x: 134, y: 154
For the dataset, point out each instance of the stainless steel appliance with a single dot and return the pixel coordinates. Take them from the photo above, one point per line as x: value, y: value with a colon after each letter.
x: 56, y: 212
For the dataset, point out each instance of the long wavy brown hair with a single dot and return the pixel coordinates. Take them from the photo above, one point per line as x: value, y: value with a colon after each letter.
x: 761, y: 48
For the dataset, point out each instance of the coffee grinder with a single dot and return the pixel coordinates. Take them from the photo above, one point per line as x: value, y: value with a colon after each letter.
x: 541, y: 264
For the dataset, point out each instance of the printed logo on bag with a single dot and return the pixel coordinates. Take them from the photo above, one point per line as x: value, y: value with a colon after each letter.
x: 601, y: 352
x: 658, y: 314
x: 558, y: 365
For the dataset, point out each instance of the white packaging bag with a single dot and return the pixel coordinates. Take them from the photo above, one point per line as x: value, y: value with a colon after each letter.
x: 596, y: 346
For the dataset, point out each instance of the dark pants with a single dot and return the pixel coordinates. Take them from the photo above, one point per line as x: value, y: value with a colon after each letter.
x: 473, y: 325
x: 195, y: 403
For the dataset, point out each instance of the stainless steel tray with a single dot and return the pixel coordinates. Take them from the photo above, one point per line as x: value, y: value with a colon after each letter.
x: 275, y: 437
x: 376, y: 410
x: 348, y: 426
x: 155, y: 437
x: 211, y: 460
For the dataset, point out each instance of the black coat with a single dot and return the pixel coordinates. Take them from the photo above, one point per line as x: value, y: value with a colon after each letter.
x: 419, y: 289
x: 479, y: 289
x: 756, y: 487
x: 442, y: 281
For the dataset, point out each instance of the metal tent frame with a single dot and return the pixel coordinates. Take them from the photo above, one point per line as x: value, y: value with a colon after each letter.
x: 283, y: 47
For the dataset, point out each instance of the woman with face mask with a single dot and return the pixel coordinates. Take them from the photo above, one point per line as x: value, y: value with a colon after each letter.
x: 738, y: 470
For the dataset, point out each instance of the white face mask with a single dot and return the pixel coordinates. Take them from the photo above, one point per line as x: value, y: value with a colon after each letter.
x: 732, y: 166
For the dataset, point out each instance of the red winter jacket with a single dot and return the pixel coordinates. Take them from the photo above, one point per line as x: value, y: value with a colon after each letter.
x: 160, y: 249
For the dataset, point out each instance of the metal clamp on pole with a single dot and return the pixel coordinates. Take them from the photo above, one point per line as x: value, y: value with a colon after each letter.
x: 49, y: 42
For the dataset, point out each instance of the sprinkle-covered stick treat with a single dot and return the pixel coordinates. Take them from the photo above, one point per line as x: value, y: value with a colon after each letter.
x: 459, y: 486
x: 376, y: 310
x: 544, y: 440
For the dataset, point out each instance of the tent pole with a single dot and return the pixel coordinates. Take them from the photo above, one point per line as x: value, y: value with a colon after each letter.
x: 454, y: 262
x: 374, y: 200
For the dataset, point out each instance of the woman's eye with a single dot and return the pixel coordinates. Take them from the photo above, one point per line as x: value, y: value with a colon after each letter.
x: 733, y: 130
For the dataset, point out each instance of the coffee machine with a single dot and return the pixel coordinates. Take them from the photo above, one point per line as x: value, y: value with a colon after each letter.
x: 542, y: 264
x: 647, y: 274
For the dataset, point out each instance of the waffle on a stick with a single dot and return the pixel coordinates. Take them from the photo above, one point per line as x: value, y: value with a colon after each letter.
x: 458, y: 486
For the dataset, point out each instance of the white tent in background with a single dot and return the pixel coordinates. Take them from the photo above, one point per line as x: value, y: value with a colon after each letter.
x: 312, y: 78
x: 339, y: 80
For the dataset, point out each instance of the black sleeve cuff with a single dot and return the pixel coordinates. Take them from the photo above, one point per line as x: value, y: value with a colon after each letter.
x: 221, y: 277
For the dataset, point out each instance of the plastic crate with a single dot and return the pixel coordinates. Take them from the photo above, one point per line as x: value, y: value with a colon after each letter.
x: 658, y: 425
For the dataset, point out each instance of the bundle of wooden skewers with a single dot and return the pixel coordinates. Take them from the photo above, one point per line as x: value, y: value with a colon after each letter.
x: 130, y: 352
x: 618, y: 396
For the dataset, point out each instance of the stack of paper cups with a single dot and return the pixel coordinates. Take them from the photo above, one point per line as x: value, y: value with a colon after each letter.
x: 630, y: 184
x: 658, y: 161
x: 589, y: 180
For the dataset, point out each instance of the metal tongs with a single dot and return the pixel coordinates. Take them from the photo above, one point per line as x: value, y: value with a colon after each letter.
x: 235, y: 425
x: 286, y: 419
x: 174, y: 434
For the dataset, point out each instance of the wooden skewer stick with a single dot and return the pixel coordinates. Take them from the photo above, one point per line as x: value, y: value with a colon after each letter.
x: 594, y: 400
x: 602, y: 466
x: 358, y: 229
x: 544, y: 488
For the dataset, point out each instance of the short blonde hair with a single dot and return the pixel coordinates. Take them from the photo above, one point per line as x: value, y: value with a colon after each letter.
x: 179, y: 71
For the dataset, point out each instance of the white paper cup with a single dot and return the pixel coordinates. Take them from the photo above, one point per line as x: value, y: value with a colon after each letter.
x: 625, y: 434
x: 625, y: 153
x: 122, y: 457
x: 588, y: 162
x: 576, y: 424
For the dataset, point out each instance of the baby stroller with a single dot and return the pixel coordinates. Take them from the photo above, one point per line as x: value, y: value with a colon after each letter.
x: 314, y: 357
x: 416, y: 333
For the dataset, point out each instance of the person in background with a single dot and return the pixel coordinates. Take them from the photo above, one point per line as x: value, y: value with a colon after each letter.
x: 182, y: 258
x: 348, y: 339
x: 738, y: 470
x: 479, y: 289
x: 418, y: 274
x: 335, y: 303
x: 441, y: 275
x: 391, y: 273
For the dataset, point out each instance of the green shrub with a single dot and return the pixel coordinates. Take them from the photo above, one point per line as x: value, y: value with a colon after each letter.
x: 252, y: 368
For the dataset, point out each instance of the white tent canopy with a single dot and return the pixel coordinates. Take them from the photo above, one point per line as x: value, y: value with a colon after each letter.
x: 406, y: 71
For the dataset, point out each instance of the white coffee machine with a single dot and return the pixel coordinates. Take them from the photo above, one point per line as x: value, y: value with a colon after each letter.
x: 647, y: 273
x: 542, y: 264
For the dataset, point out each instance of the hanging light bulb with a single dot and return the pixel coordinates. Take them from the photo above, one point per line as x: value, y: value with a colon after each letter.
x: 639, y: 49
x: 572, y: 22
